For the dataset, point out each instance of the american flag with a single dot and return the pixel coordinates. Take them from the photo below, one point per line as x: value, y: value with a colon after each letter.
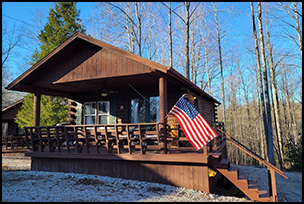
x: 194, y: 126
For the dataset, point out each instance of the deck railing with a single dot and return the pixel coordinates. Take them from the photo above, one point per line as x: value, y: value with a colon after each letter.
x: 270, y: 167
x: 138, y: 138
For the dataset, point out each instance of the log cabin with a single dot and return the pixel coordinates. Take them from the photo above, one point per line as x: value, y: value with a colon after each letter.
x: 117, y: 123
x: 12, y: 135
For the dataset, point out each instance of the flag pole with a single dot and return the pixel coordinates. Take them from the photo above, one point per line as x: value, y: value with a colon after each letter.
x: 185, y: 94
x: 167, y: 115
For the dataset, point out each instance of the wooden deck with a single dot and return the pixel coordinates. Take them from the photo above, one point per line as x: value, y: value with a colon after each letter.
x: 16, y: 152
x: 142, y: 152
x: 130, y: 151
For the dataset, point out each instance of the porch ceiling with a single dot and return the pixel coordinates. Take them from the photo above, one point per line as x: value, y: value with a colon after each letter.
x: 97, y: 86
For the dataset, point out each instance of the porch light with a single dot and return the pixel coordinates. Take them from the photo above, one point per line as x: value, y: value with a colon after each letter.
x: 104, y: 94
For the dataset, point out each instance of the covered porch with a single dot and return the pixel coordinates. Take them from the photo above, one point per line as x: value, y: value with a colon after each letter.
x: 116, y: 100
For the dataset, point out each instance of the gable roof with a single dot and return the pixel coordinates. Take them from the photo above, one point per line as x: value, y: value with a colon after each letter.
x: 80, y: 58
x: 13, y: 104
x: 9, y: 112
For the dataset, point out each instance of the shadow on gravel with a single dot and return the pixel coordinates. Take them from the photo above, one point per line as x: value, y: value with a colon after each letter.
x: 224, y: 187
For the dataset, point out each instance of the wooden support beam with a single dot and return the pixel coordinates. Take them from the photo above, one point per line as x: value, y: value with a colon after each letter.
x: 163, y: 112
x: 37, y: 99
x: 272, y: 185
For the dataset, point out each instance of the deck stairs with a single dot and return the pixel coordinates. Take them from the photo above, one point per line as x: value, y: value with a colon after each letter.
x: 240, y: 180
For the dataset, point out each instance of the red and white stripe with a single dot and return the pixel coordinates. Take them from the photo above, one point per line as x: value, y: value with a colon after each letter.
x: 197, y: 131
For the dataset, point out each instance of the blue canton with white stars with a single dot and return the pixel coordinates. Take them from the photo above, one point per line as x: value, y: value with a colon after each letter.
x: 183, y: 104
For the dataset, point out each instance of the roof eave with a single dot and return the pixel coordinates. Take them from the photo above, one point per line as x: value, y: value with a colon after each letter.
x: 47, y: 57
x: 172, y: 72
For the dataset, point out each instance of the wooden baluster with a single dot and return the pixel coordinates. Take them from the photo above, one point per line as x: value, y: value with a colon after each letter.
x: 108, y: 145
x: 215, y: 144
x: 157, y: 132
x: 140, y: 140
x: 129, y: 139
x: 86, y: 138
x: 76, y: 138
x: 210, y: 146
x: 57, y: 138
x: 40, y: 139
x: 117, y: 140
x: 205, y: 150
x: 96, y: 139
x: 49, y: 138
x: 67, y: 139
x: 33, y: 139
x: 27, y: 137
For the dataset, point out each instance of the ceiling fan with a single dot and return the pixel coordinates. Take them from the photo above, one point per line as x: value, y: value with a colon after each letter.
x: 105, y: 92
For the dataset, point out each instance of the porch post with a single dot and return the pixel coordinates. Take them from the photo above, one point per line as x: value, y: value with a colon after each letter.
x: 163, y: 112
x: 37, y: 97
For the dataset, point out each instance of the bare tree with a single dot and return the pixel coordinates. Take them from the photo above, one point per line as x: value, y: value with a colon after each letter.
x: 269, y: 134
x: 170, y: 36
x: 10, y: 40
x: 220, y: 60
x: 128, y: 20
x: 258, y: 64
x: 275, y: 96
x: 187, y: 21
x: 291, y: 9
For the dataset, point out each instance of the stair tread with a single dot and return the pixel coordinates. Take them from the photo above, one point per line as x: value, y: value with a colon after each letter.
x: 242, y: 176
x: 216, y: 154
x: 263, y: 194
x: 224, y: 164
x: 224, y: 161
x: 252, y: 185
x: 233, y: 168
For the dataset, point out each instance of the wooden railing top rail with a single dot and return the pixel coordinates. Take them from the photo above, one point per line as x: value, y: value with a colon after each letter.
x: 252, y: 154
x: 97, y: 125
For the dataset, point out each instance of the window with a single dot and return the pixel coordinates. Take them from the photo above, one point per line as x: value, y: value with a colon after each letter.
x: 138, y: 111
x: 154, y: 109
x: 142, y: 111
x: 103, y: 113
x: 89, y: 112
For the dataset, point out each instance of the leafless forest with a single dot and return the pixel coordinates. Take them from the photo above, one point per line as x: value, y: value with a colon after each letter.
x: 246, y: 55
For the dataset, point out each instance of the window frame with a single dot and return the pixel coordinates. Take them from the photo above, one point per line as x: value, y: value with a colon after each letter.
x: 103, y: 114
x: 90, y: 114
x: 96, y: 114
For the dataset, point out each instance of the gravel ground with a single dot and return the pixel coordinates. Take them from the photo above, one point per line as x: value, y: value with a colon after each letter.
x: 21, y: 185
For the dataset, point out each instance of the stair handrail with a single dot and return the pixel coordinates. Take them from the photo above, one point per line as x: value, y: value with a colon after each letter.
x: 252, y: 154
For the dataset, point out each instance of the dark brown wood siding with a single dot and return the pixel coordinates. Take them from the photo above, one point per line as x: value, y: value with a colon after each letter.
x: 205, y: 106
x: 181, y: 174
x: 91, y: 62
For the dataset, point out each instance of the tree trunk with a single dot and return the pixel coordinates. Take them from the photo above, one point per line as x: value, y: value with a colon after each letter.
x: 261, y: 99
x: 269, y: 135
x: 220, y: 61
x: 275, y: 97
x: 298, y: 26
x: 187, y: 5
x: 170, y: 37
x: 139, y: 28
x: 207, y: 69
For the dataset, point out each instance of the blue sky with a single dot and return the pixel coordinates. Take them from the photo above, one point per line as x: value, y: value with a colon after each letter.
x: 25, y: 10
x: 18, y: 14
x: 239, y: 33
x: 22, y: 14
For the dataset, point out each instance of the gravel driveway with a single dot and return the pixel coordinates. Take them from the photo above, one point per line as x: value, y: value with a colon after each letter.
x: 21, y: 185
